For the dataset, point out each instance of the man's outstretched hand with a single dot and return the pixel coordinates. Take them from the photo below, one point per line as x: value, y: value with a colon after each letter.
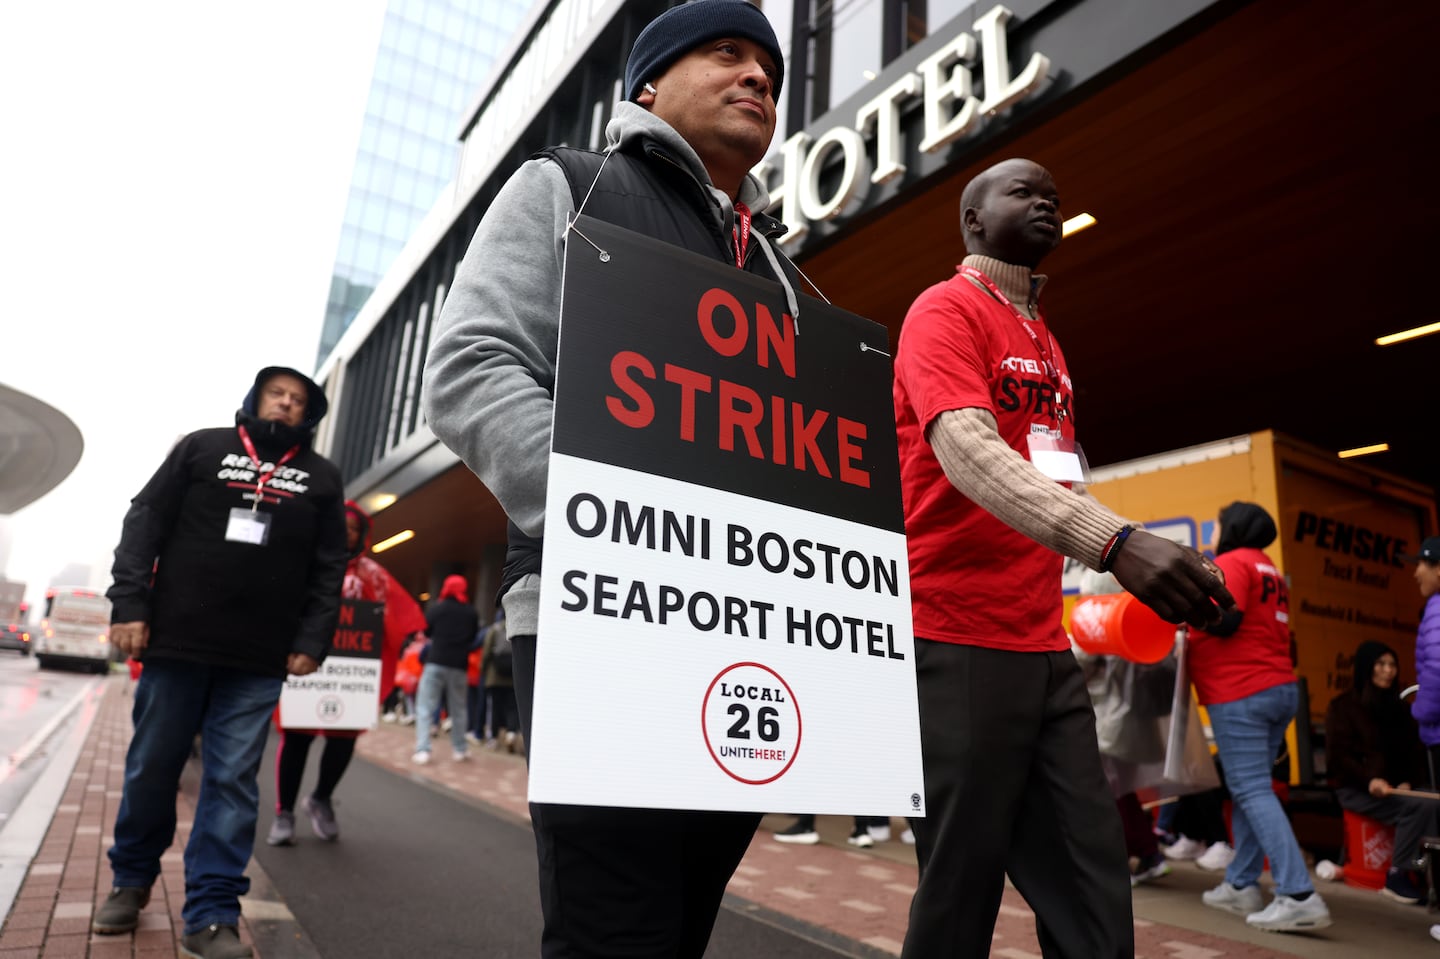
x: 1171, y: 579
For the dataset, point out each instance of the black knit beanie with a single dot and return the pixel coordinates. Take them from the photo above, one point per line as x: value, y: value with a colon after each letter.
x: 681, y: 29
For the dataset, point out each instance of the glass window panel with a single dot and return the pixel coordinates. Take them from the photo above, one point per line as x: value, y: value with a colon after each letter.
x: 382, y: 178
x: 409, y: 151
x: 348, y: 240
x: 384, y: 65
x: 372, y: 217
x: 429, y: 47
x: 388, y: 147
x: 941, y: 12
x: 858, y: 31
x: 399, y: 221
x: 448, y: 58
x: 407, y: 39
x: 368, y: 251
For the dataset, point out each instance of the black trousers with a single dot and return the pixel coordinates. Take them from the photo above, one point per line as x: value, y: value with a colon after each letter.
x: 1414, y: 818
x: 1013, y: 784
x: 621, y: 883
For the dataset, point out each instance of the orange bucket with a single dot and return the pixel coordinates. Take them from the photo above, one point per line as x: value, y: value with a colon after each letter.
x: 1118, y: 624
x: 1369, y: 844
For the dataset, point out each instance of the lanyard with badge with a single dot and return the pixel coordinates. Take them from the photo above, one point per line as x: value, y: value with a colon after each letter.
x: 1053, y: 454
x: 742, y: 233
x: 251, y: 525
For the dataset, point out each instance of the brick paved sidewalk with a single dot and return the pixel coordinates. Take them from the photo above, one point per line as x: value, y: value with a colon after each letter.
x: 70, y: 874
x: 862, y: 896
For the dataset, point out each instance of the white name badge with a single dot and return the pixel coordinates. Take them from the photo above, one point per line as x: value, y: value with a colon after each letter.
x: 247, y: 526
x: 1058, y: 458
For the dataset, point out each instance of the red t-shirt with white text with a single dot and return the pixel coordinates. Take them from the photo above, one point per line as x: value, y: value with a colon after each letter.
x: 973, y: 579
x: 1257, y: 656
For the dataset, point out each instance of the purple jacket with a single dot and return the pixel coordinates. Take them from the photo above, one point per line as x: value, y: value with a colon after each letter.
x: 1426, y: 708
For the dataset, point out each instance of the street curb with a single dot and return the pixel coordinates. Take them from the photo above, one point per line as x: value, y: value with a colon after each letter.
x: 24, y: 832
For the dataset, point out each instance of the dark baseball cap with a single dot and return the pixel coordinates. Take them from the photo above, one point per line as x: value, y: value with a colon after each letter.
x: 1429, y: 552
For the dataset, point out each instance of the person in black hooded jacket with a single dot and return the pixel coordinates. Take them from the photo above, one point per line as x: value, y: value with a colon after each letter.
x: 1372, y: 747
x: 227, y: 576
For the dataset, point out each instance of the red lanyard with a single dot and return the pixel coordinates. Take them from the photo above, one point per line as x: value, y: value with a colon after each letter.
x: 1051, y: 370
x: 264, y: 474
x: 742, y: 233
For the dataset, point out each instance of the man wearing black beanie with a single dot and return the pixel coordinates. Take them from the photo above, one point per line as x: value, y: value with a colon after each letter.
x: 698, y: 114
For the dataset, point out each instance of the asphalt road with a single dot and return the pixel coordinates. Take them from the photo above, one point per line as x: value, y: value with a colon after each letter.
x: 419, y: 871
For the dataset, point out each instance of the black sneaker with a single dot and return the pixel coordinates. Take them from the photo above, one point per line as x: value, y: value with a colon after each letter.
x: 120, y: 912
x: 215, y: 941
x: 1400, y: 887
x: 799, y: 831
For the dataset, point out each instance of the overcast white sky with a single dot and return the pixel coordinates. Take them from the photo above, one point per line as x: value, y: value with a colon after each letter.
x: 172, y: 181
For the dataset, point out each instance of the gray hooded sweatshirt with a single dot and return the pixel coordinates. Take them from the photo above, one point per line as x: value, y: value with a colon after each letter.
x: 490, y: 374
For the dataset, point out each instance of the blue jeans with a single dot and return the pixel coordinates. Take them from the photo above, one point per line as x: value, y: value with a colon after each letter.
x: 230, y: 709
x: 1249, y: 732
x: 453, y: 683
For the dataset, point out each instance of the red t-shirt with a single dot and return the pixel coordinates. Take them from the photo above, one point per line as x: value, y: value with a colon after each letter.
x: 973, y: 579
x: 1257, y: 656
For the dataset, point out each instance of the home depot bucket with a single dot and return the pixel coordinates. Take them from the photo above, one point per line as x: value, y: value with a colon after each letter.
x: 1369, y: 845
x: 1118, y: 624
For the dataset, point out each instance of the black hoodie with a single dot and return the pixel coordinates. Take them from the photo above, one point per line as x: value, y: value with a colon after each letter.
x: 218, y: 602
x: 1244, y: 525
x: 1369, y: 733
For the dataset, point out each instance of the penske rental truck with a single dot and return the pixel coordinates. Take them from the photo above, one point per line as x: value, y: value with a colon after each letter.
x: 1343, y: 530
x: 75, y: 631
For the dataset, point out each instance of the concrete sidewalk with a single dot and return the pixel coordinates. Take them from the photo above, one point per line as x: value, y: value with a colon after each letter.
x: 855, y: 900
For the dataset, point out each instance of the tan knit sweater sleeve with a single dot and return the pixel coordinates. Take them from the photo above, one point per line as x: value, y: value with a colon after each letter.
x: 980, y: 464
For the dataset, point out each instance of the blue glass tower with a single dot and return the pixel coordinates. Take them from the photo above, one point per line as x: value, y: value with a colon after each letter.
x: 433, y: 57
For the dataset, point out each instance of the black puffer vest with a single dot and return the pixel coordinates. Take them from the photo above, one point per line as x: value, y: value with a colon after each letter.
x: 645, y: 190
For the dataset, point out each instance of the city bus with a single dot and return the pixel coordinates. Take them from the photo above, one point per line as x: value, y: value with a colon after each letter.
x: 75, y: 630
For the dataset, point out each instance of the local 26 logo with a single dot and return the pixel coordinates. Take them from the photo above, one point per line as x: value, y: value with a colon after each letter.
x: 330, y: 709
x: 751, y: 723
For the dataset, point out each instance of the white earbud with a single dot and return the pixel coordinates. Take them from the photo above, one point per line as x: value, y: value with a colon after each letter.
x: 650, y: 89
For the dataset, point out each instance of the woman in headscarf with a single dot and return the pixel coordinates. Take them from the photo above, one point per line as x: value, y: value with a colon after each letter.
x: 367, y: 580
x: 1372, y: 747
x: 1243, y: 675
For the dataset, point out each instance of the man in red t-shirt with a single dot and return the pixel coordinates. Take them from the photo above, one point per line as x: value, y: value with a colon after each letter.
x: 984, y: 412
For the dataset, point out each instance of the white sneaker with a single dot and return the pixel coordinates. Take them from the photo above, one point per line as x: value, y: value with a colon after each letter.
x: 387, y: 717
x: 461, y: 757
x: 1435, y: 932
x: 861, y: 838
x: 1291, y: 915
x: 407, y: 720
x: 1242, y: 902
x: 1183, y: 848
x: 1216, y: 858
x: 908, y: 837
x: 421, y: 757
x: 1144, y: 873
x: 447, y: 724
x: 879, y: 833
